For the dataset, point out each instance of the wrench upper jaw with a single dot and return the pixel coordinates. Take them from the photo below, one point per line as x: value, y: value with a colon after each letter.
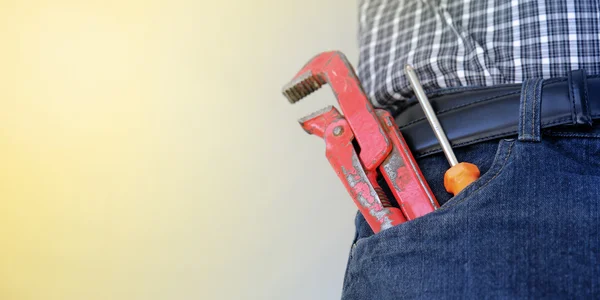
x: 311, y: 77
x: 303, y: 85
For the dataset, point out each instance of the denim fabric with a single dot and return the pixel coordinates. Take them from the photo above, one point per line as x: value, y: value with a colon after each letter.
x: 528, y: 228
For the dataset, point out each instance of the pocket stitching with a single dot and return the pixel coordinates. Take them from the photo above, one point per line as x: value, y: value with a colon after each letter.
x: 573, y: 134
x: 499, y: 163
x: 470, y: 195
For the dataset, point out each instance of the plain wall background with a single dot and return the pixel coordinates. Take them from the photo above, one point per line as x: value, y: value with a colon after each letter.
x: 146, y: 151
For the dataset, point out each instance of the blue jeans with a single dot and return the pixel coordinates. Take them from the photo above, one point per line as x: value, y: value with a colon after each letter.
x: 528, y: 228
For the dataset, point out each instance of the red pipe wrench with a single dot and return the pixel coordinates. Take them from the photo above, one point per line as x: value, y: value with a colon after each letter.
x: 362, y: 144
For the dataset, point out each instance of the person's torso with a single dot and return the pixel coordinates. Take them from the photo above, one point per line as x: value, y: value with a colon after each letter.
x: 472, y: 43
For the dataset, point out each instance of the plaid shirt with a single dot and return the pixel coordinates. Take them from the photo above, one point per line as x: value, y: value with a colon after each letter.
x: 472, y: 43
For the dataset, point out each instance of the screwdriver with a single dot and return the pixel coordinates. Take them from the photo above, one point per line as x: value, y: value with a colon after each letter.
x: 460, y: 175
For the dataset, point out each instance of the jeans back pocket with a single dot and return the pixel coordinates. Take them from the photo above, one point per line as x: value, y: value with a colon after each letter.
x: 378, y: 260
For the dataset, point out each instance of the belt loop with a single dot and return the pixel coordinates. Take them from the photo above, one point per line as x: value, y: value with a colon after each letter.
x: 580, y: 110
x: 530, y: 111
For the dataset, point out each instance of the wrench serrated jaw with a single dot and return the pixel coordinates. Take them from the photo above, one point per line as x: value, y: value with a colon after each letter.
x: 302, y: 86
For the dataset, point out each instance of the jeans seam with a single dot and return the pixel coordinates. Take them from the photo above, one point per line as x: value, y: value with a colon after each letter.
x: 534, y: 94
x: 568, y: 134
x: 537, y: 99
x: 452, y: 204
x: 524, y: 108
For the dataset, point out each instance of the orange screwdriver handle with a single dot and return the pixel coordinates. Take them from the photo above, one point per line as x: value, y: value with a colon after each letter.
x: 460, y: 176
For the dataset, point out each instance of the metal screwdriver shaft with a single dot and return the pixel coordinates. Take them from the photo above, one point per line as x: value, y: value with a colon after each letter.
x: 460, y: 175
x: 430, y: 114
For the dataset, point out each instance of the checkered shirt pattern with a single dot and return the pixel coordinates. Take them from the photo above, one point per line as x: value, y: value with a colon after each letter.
x: 453, y: 43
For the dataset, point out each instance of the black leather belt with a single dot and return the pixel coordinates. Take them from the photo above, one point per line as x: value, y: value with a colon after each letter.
x: 472, y: 115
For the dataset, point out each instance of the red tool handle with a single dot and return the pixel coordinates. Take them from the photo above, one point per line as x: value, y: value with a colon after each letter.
x: 403, y: 175
x: 362, y: 187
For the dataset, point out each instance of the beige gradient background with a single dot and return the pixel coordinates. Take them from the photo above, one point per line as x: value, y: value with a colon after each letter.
x: 146, y: 151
